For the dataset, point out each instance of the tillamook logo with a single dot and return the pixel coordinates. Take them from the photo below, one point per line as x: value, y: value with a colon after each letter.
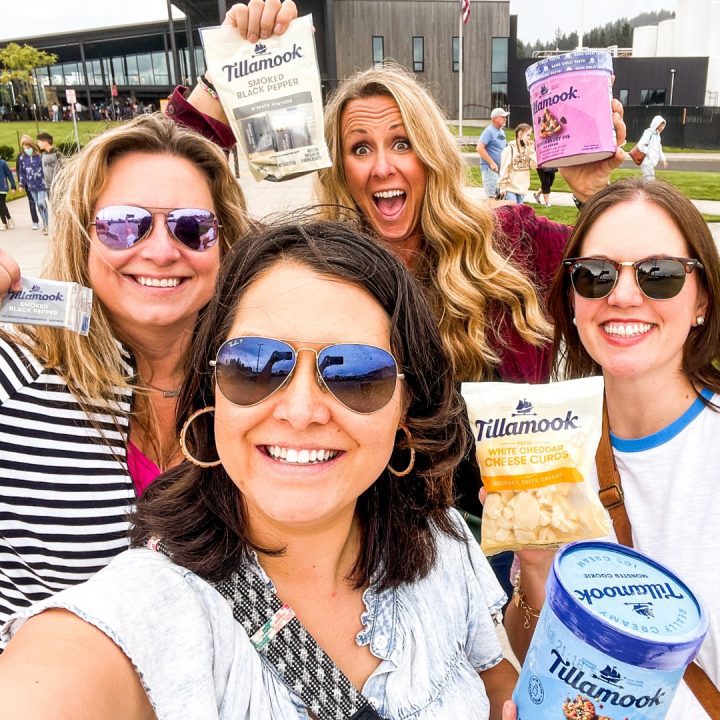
x: 501, y: 427
x: 570, y: 94
x: 656, y: 591
x: 35, y: 294
x: 574, y: 677
x: 244, y: 68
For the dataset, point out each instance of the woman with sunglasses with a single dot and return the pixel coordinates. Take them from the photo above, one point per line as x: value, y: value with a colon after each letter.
x: 321, y: 432
x: 143, y: 215
x: 637, y: 300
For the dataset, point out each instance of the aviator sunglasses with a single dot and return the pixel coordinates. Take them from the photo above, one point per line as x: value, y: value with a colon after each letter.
x: 120, y: 227
x: 362, y: 377
x: 659, y: 278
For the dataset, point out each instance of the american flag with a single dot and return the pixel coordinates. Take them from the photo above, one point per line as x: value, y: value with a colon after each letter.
x: 465, y: 5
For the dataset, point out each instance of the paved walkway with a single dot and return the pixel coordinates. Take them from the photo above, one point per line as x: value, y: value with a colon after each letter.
x: 265, y: 199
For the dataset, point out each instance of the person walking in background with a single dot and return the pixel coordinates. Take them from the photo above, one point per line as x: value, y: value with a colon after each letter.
x: 651, y: 144
x: 31, y: 202
x: 490, y: 146
x: 55, y: 112
x: 30, y: 175
x: 49, y: 158
x: 7, y: 181
x: 515, y: 162
x: 547, y: 178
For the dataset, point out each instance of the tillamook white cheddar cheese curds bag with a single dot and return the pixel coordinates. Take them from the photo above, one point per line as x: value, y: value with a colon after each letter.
x: 536, y: 445
x: 270, y: 91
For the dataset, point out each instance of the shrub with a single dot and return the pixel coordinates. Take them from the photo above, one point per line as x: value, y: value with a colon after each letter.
x: 67, y: 147
x: 6, y: 152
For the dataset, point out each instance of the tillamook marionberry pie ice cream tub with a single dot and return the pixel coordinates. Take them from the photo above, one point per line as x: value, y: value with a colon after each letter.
x: 570, y: 98
x: 613, y: 638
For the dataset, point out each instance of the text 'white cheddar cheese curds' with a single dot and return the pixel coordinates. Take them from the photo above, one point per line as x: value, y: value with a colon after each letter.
x: 535, y: 447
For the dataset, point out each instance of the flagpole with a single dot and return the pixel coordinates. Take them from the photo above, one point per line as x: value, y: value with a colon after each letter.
x: 460, y: 75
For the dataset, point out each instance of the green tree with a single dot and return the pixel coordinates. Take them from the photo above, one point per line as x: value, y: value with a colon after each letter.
x: 17, y: 63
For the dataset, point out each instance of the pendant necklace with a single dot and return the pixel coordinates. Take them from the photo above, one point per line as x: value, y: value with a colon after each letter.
x: 165, y: 393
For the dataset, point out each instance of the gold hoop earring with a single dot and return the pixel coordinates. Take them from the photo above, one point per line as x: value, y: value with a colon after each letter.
x: 183, y: 444
x: 411, y: 464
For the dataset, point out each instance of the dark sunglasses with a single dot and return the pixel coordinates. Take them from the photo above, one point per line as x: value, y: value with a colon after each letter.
x: 362, y: 377
x: 120, y: 227
x: 659, y: 278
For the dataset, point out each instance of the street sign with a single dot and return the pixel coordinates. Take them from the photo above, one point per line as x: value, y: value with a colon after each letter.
x: 70, y: 97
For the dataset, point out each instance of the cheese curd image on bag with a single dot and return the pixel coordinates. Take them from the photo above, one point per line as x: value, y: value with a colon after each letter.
x: 270, y: 92
x: 535, y: 446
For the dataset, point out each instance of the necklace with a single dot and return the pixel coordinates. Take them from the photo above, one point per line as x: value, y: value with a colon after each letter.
x: 165, y: 393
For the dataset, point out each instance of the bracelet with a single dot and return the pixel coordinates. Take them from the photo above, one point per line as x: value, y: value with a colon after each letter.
x: 519, y: 599
x: 579, y: 204
x: 207, y: 86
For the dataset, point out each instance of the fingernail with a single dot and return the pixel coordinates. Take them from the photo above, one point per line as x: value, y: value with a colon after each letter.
x: 252, y: 37
x: 264, y: 34
x: 279, y: 29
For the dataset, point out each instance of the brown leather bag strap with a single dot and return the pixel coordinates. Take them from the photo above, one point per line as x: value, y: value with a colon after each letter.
x: 610, y: 492
x: 611, y: 496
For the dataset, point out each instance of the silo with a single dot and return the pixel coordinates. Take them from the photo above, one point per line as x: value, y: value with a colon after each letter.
x: 714, y: 49
x: 692, y: 26
x: 644, y: 41
x: 666, y: 38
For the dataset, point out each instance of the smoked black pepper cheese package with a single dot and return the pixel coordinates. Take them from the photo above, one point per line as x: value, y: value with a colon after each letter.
x: 270, y: 92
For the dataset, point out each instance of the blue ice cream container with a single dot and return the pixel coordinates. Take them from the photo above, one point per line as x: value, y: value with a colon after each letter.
x: 613, y: 639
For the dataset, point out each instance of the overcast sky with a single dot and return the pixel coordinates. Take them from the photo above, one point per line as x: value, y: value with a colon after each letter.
x: 536, y: 18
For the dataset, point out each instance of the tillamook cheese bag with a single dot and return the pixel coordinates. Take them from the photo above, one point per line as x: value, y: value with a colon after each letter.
x: 270, y: 91
x: 535, y: 447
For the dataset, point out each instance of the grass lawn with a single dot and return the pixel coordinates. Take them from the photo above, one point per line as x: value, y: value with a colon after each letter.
x: 696, y: 185
x: 10, y: 132
x: 568, y: 215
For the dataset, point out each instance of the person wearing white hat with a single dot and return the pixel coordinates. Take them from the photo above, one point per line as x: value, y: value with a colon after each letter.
x: 490, y: 146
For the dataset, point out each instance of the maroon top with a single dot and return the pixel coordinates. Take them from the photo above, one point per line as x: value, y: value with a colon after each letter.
x: 534, y: 242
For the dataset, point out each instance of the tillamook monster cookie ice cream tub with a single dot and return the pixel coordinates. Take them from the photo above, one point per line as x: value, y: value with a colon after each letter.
x: 570, y: 100
x: 613, y: 639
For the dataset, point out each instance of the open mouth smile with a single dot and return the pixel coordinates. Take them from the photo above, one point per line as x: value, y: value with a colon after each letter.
x: 304, y: 456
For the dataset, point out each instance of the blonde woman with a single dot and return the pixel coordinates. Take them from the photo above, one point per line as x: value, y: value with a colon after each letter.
x: 143, y: 216
x: 515, y: 163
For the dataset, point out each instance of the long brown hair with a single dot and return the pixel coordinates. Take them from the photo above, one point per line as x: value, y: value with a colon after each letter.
x: 200, y: 513
x: 702, y: 347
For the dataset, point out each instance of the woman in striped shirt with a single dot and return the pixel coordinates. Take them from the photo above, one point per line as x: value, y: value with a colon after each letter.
x: 142, y: 215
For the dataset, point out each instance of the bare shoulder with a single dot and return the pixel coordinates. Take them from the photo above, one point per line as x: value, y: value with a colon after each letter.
x: 59, y: 667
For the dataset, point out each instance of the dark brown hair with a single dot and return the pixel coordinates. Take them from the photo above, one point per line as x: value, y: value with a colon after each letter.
x: 703, y: 343
x: 200, y: 513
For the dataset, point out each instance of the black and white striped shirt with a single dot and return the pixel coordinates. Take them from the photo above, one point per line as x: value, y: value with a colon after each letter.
x: 64, y: 484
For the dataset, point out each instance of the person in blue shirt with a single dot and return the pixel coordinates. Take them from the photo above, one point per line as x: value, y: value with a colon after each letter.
x: 490, y: 146
x: 7, y: 181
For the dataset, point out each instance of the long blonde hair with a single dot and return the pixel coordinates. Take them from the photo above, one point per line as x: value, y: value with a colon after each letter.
x: 467, y: 278
x: 93, y: 366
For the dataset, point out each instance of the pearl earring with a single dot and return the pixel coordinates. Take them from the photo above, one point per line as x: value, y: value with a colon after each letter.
x: 575, y: 321
x: 700, y: 319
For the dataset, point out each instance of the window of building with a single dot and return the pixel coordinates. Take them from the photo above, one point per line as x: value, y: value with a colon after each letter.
x: 499, y: 72
x: 456, y: 54
x: 378, y: 50
x: 119, y: 71
x: 654, y: 96
x: 418, y: 54
x: 160, y: 69
x: 133, y: 75
x: 145, y: 69
x: 72, y: 74
x: 200, y: 61
x: 623, y: 96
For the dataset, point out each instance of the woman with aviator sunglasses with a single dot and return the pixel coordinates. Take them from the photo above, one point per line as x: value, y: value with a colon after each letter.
x: 142, y: 215
x: 637, y: 300
x: 322, y: 429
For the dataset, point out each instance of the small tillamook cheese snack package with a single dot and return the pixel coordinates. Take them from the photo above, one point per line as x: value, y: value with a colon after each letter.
x: 535, y: 446
x: 270, y: 92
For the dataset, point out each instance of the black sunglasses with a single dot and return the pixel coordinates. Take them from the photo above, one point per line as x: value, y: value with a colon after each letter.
x: 362, y: 377
x: 120, y: 227
x: 658, y: 278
